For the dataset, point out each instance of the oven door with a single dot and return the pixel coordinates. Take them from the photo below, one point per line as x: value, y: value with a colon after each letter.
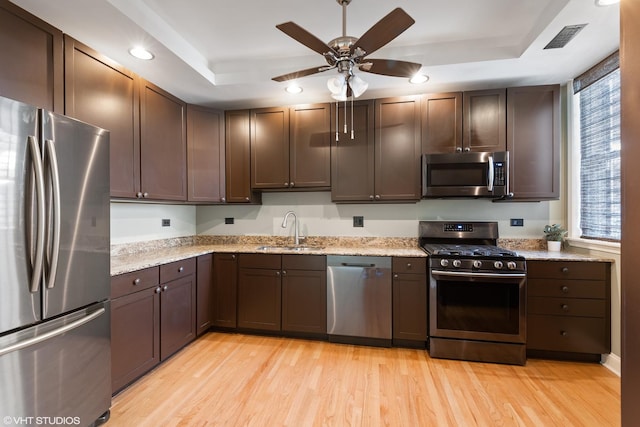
x: 477, y: 306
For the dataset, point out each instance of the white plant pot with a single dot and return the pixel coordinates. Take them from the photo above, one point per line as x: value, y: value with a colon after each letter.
x: 553, y: 246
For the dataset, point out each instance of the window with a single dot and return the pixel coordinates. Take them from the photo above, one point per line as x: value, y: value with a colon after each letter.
x: 598, y: 118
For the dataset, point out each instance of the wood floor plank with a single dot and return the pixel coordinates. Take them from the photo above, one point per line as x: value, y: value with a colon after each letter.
x: 243, y: 380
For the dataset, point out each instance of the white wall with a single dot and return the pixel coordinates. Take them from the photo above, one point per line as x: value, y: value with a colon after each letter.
x: 136, y: 222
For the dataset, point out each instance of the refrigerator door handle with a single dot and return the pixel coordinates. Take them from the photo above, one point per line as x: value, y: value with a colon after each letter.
x: 36, y: 162
x: 54, y: 220
x: 54, y: 333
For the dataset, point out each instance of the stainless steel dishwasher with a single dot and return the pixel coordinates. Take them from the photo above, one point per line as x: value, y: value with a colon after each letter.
x: 359, y: 299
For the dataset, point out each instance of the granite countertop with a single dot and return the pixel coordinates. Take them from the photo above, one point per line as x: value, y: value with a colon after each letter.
x: 131, y: 257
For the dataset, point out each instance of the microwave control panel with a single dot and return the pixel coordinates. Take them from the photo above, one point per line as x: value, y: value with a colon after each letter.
x: 500, y: 173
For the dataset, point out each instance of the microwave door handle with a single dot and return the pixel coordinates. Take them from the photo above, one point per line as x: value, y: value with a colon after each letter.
x: 491, y: 174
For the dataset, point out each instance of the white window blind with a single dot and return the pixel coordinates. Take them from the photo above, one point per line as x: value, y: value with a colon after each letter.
x: 599, y: 104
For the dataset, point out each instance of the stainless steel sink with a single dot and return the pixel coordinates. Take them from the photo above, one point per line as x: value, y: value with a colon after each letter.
x: 299, y: 248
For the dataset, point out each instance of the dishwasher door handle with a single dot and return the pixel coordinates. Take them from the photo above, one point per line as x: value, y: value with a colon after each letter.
x: 349, y: 264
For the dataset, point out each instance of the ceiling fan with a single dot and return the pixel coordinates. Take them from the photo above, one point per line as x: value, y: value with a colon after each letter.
x: 346, y: 53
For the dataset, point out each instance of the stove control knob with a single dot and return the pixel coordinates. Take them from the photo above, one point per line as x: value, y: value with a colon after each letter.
x: 477, y: 263
x: 457, y: 263
x: 444, y: 262
x: 511, y: 265
x: 498, y: 265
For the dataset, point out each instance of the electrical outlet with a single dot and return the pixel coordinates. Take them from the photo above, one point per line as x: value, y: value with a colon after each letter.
x: 517, y: 222
x: 229, y: 220
x: 166, y: 223
x: 358, y: 221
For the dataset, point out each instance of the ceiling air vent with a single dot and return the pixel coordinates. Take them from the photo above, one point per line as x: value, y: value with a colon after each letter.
x: 564, y: 36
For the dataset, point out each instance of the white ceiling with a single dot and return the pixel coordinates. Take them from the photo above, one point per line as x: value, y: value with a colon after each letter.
x: 224, y: 53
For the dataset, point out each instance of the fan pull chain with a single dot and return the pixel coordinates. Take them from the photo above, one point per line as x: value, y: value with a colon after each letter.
x: 352, y: 133
x: 337, y: 124
x: 345, y: 116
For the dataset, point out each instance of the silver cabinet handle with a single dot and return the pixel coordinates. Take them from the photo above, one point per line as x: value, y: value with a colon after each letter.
x: 46, y: 336
x: 371, y: 197
x: 181, y: 269
x: 491, y: 174
x: 145, y: 195
x: 467, y: 149
x: 247, y: 199
x: 158, y: 290
x: 139, y: 195
x: 137, y: 281
x: 165, y: 288
x: 54, y: 245
x: 291, y: 184
x: 377, y: 197
x: 38, y: 258
x: 458, y: 149
x: 223, y: 200
x: 286, y: 184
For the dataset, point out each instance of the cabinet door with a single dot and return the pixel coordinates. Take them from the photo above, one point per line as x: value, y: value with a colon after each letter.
x: 204, y: 293
x: 205, y: 155
x: 135, y: 336
x: 31, y: 69
x: 163, y: 147
x: 397, y: 149
x: 352, y: 160
x: 177, y: 315
x: 259, y: 299
x: 304, y: 301
x: 101, y: 92
x: 533, y: 142
x: 442, y: 123
x: 225, y: 290
x: 238, y: 158
x: 270, y: 148
x: 410, y: 307
x: 310, y: 146
x: 484, y: 121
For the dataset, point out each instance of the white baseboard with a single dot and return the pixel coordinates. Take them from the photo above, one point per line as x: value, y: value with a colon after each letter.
x: 612, y: 362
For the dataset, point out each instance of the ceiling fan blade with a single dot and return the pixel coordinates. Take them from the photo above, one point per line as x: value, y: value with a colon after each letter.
x: 301, y: 73
x: 385, y: 30
x: 390, y: 67
x: 301, y: 35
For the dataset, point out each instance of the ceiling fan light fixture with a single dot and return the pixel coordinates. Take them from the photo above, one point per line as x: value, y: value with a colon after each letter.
x: 337, y: 84
x: 419, y: 78
x: 293, y: 89
x: 341, y: 95
x: 358, y: 86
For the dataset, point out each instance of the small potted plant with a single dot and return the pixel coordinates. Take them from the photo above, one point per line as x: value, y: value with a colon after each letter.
x: 554, y: 234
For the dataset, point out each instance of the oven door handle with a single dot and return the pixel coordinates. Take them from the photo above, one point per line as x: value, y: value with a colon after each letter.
x: 437, y: 273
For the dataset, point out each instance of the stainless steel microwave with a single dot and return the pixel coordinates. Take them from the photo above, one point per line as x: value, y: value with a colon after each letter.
x: 468, y: 174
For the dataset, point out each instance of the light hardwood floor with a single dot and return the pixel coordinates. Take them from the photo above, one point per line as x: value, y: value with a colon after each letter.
x: 241, y: 380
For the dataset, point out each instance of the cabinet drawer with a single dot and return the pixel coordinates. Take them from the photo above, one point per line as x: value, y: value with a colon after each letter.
x: 127, y: 283
x: 412, y: 265
x: 570, y: 334
x: 566, y: 288
x: 176, y: 270
x: 567, y: 306
x: 567, y: 270
x: 304, y: 262
x: 268, y: 261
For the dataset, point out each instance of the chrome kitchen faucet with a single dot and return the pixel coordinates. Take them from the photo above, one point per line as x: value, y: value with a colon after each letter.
x: 297, y: 237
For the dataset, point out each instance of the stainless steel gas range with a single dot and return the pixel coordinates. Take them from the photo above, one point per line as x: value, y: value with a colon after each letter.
x: 477, y: 298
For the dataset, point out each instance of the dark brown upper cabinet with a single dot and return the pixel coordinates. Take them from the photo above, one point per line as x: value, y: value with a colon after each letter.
x: 103, y: 93
x: 533, y: 142
x: 442, y: 123
x: 484, y: 120
x: 163, y: 145
x: 397, y: 149
x: 205, y: 155
x: 238, y: 157
x: 31, y: 69
x: 310, y: 146
x: 290, y: 148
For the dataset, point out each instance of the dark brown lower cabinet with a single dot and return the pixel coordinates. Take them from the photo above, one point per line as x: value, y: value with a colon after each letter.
x: 204, y: 293
x: 177, y: 315
x: 304, y: 294
x: 225, y: 291
x: 409, y: 301
x: 259, y: 292
x: 568, y: 309
x: 135, y: 326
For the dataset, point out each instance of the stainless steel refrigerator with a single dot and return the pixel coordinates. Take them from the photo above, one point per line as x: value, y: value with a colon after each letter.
x: 54, y: 268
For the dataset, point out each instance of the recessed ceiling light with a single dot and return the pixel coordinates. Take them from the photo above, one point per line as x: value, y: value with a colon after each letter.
x: 140, y: 53
x: 606, y: 2
x: 419, y: 78
x: 293, y: 88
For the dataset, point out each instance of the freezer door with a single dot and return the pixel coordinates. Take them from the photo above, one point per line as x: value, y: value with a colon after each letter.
x: 18, y: 215
x: 59, y: 371
x: 76, y: 163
